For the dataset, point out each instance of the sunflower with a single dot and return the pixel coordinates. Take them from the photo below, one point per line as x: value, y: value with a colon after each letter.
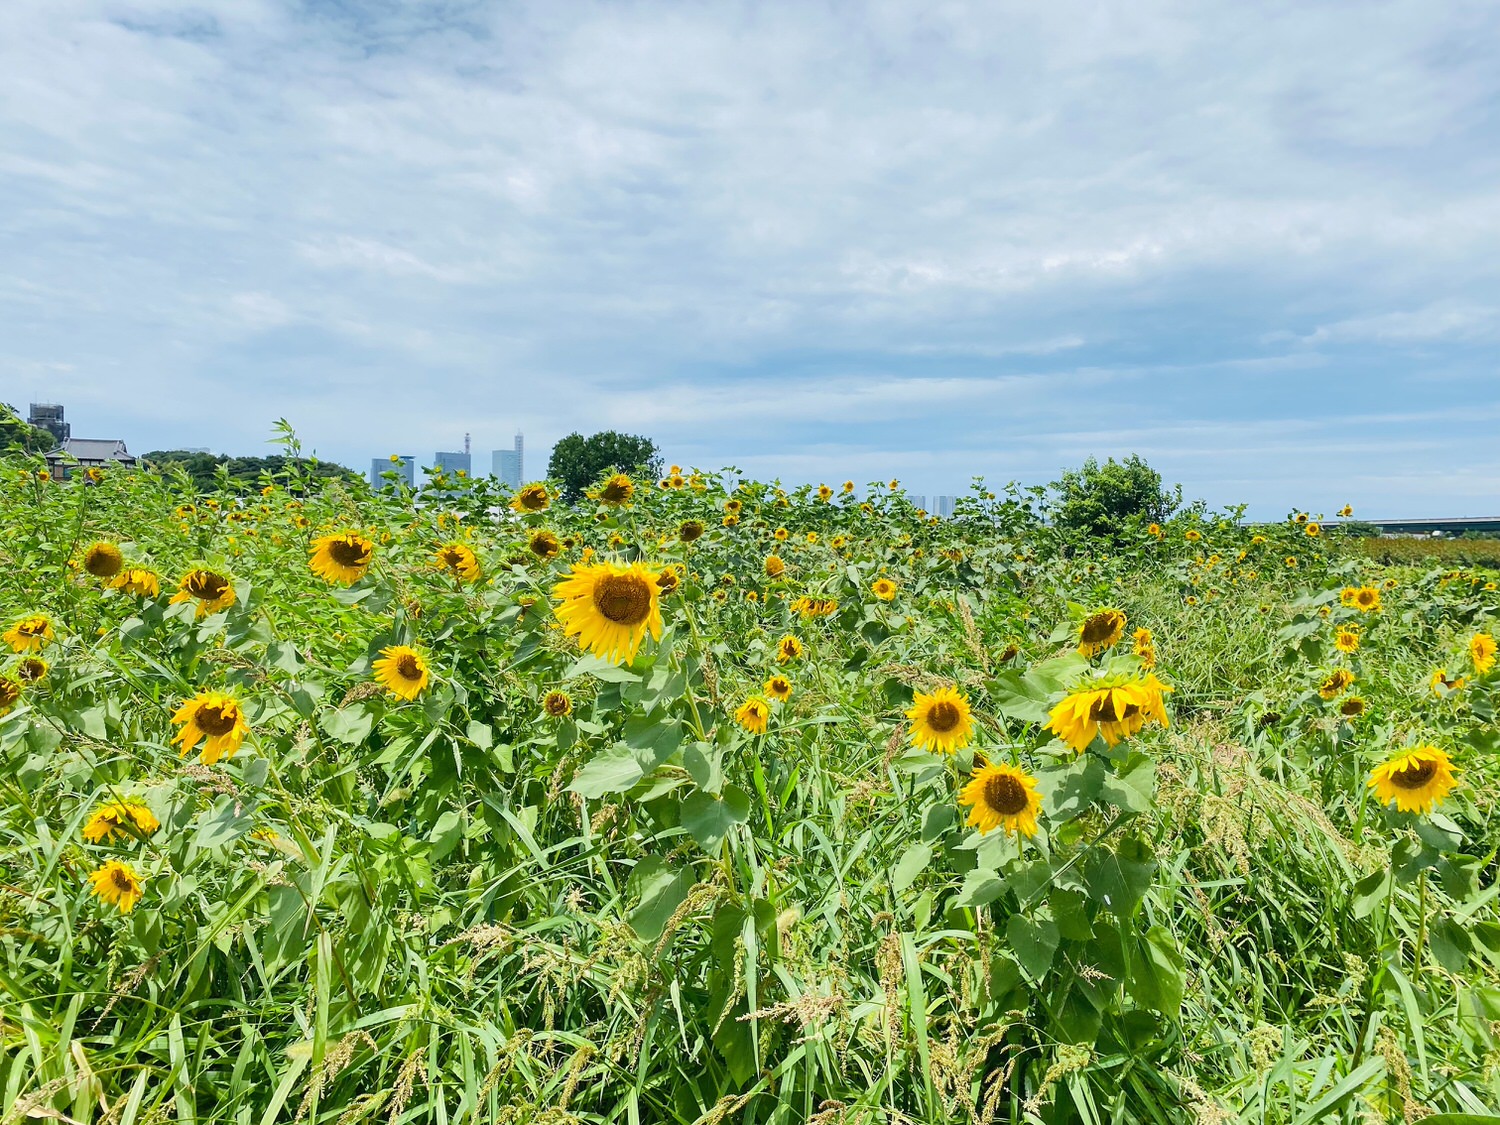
x: 731, y: 520
x: 1115, y: 708
x: 1192, y: 536
x: 1312, y: 530
x: 780, y: 534
x: 848, y: 488
x: 544, y: 544
x: 825, y: 493
x: 1101, y: 630
x: 29, y: 633
x: 775, y: 566
x: 884, y: 589
x: 670, y: 578
x: 941, y: 721
x: 1143, y: 646
x: 130, y: 820
x: 531, y: 498
x: 779, y: 688
x: 1367, y: 599
x: 1001, y: 796
x: 103, y: 560
x: 216, y: 720
x: 1482, y: 652
x: 733, y: 506
x: 341, y: 558
x: 211, y: 589
x: 457, y: 559
x: 1346, y: 596
x: 839, y: 542
x: 690, y: 530
x: 1291, y: 562
x: 616, y: 490
x: 610, y: 608
x: 1154, y: 530
x: 10, y: 695
x: 1441, y: 685
x: 1415, y: 780
x: 788, y: 649
x: 31, y: 669
x: 1347, y: 638
x: 1338, y: 680
x: 557, y: 704
x: 754, y: 715
x: 402, y: 671
x: 1346, y: 511
x: 1352, y: 708
x: 1300, y: 517
x: 117, y: 884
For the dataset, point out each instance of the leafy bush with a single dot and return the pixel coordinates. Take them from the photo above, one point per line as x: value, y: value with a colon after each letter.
x: 1107, y: 501
x: 578, y: 461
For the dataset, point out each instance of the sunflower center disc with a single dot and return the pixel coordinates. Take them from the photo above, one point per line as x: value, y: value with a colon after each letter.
x: 209, y: 587
x: 1099, y: 628
x: 943, y: 717
x: 623, y: 598
x: 1103, y: 711
x: 614, y: 493
x: 1005, y: 795
x: 213, y: 720
x: 406, y: 667
x: 1414, y: 777
x: 346, y: 552
x: 121, y: 880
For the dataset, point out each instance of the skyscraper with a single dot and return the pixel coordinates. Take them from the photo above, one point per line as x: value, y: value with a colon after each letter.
x: 450, y: 463
x: 405, y: 468
x: 49, y: 416
x: 943, y: 506
x: 509, y: 465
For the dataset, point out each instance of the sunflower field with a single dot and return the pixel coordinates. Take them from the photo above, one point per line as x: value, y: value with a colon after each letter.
x: 706, y: 801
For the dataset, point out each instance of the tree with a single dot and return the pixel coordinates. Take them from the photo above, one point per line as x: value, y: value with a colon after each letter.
x: 242, y: 472
x: 19, y: 436
x: 578, y: 461
x: 1100, y: 500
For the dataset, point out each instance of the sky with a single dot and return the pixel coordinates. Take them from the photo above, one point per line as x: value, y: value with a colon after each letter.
x: 1258, y: 244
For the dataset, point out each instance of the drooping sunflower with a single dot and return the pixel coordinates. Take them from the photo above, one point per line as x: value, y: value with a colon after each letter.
x: 610, y: 608
x: 103, y: 559
x: 457, y: 559
x: 32, y: 669
x: 779, y: 688
x: 1482, y: 652
x: 1002, y: 796
x: 1367, y: 599
x: 211, y: 589
x: 341, y: 558
x: 1336, y: 683
x: 138, y: 581
x: 29, y: 633
x: 690, y: 530
x: 531, y: 498
x: 402, y: 671
x: 216, y: 720
x: 788, y: 649
x: 557, y: 704
x: 10, y: 695
x: 616, y: 490
x: 884, y: 589
x: 1352, y: 708
x: 754, y: 715
x: 1101, y: 630
x: 1143, y: 646
x: 117, y: 884
x: 1114, y: 708
x: 941, y: 721
x: 544, y: 544
x: 1347, y: 639
x: 129, y: 820
x: 1415, y: 780
x: 775, y: 566
x: 1441, y: 685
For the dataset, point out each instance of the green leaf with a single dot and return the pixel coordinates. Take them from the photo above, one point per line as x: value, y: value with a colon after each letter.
x: 981, y: 887
x: 912, y: 863
x: 350, y: 725
x: 1370, y: 892
x: 1033, y: 943
x: 704, y: 763
x: 1157, y: 971
x: 708, y: 818
x: 222, y: 827
x: 480, y: 734
x: 1119, y: 879
x: 1016, y: 696
x: 1135, y: 786
x: 661, y: 891
x: 610, y: 771
x: 591, y: 665
x: 446, y: 833
x: 1450, y: 944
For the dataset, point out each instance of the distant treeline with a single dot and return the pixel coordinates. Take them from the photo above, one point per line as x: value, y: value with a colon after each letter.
x: 19, y: 436
x: 209, y: 471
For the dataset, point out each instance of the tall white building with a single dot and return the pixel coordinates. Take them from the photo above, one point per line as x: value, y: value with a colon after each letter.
x: 943, y: 506
x: 509, y: 465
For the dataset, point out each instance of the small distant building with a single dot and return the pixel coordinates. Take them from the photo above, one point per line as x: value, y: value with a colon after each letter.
x: 450, y: 463
x: 405, y: 468
x: 49, y: 416
x: 943, y: 506
x: 509, y: 465
x: 82, y: 454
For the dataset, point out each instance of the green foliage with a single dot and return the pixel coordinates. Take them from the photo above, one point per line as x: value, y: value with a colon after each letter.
x: 578, y: 461
x: 1103, y: 501
x: 17, y: 436
x: 209, y: 472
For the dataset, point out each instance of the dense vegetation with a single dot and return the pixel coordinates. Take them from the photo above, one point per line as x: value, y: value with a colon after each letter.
x: 210, y: 472
x: 314, y: 810
x: 579, y: 461
x: 18, y: 436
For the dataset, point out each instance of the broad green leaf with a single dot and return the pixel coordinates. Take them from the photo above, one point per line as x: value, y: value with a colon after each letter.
x: 610, y: 771
x: 709, y: 818
x: 1033, y: 942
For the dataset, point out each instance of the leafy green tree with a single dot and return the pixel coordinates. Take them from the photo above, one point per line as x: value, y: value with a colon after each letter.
x: 1099, y: 501
x: 209, y: 473
x: 19, y: 436
x: 578, y: 461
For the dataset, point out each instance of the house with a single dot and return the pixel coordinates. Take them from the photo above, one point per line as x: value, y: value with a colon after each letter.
x: 82, y: 454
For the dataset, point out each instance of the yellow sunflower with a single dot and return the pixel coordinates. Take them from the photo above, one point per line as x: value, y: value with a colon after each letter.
x: 1352, y: 708
x: 457, y: 559
x: 780, y: 534
x: 1291, y: 562
x: 211, y: 589
x: 1301, y: 517
x: 779, y: 688
x: 557, y: 704
x: 775, y: 566
x: 1154, y: 530
x: 103, y: 560
x: 788, y: 649
x: 1312, y: 530
x: 1143, y: 645
x: 138, y: 581
x: 616, y: 490
x: 1347, y: 639
x: 532, y: 498
x: 1482, y: 652
x: 402, y: 671
x: 754, y: 715
x: 1415, y: 780
x: 848, y: 487
x: 32, y: 669
x: 1338, y: 680
x: 825, y: 493
x: 130, y: 820
x: 29, y: 633
x: 1346, y: 511
x: 610, y: 608
x: 215, y: 719
x: 1101, y: 630
x: 1002, y: 796
x: 341, y: 558
x: 941, y: 721
x: 690, y: 530
x: 10, y: 695
x: 1114, y: 708
x: 544, y: 544
x: 1346, y: 596
x: 1192, y: 536
x: 1367, y: 599
x: 884, y: 589
x: 1441, y: 685
x: 117, y: 884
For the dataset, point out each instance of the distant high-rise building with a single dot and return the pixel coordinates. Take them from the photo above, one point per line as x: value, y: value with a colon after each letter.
x: 917, y: 500
x: 49, y: 416
x: 405, y: 468
x: 943, y: 506
x: 509, y: 465
x: 450, y: 463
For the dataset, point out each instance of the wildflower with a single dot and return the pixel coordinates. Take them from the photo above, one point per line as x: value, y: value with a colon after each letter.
x: 610, y: 608
x: 1338, y: 680
x: 775, y: 567
x: 788, y: 649
x: 103, y: 560
x: 1002, y: 796
x: 1347, y: 639
x: 544, y: 544
x: 557, y: 704
x: 754, y: 715
x: 29, y: 633
x: 941, y: 721
x: 1482, y: 652
x: 884, y: 589
x: 1101, y: 630
x: 130, y: 820
x: 616, y: 490
x: 341, y: 558
x: 117, y: 884
x: 779, y: 688
x: 459, y: 560
x: 402, y: 671
x: 1115, y: 708
x: 216, y: 720
x: 1415, y: 780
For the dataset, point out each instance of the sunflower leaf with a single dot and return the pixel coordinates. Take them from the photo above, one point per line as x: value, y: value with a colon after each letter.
x: 612, y: 771
x: 1033, y: 942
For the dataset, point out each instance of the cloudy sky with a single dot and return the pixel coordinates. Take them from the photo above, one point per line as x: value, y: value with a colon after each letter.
x: 1257, y: 243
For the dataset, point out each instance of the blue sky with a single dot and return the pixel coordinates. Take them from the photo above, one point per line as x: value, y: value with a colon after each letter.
x: 1257, y: 243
